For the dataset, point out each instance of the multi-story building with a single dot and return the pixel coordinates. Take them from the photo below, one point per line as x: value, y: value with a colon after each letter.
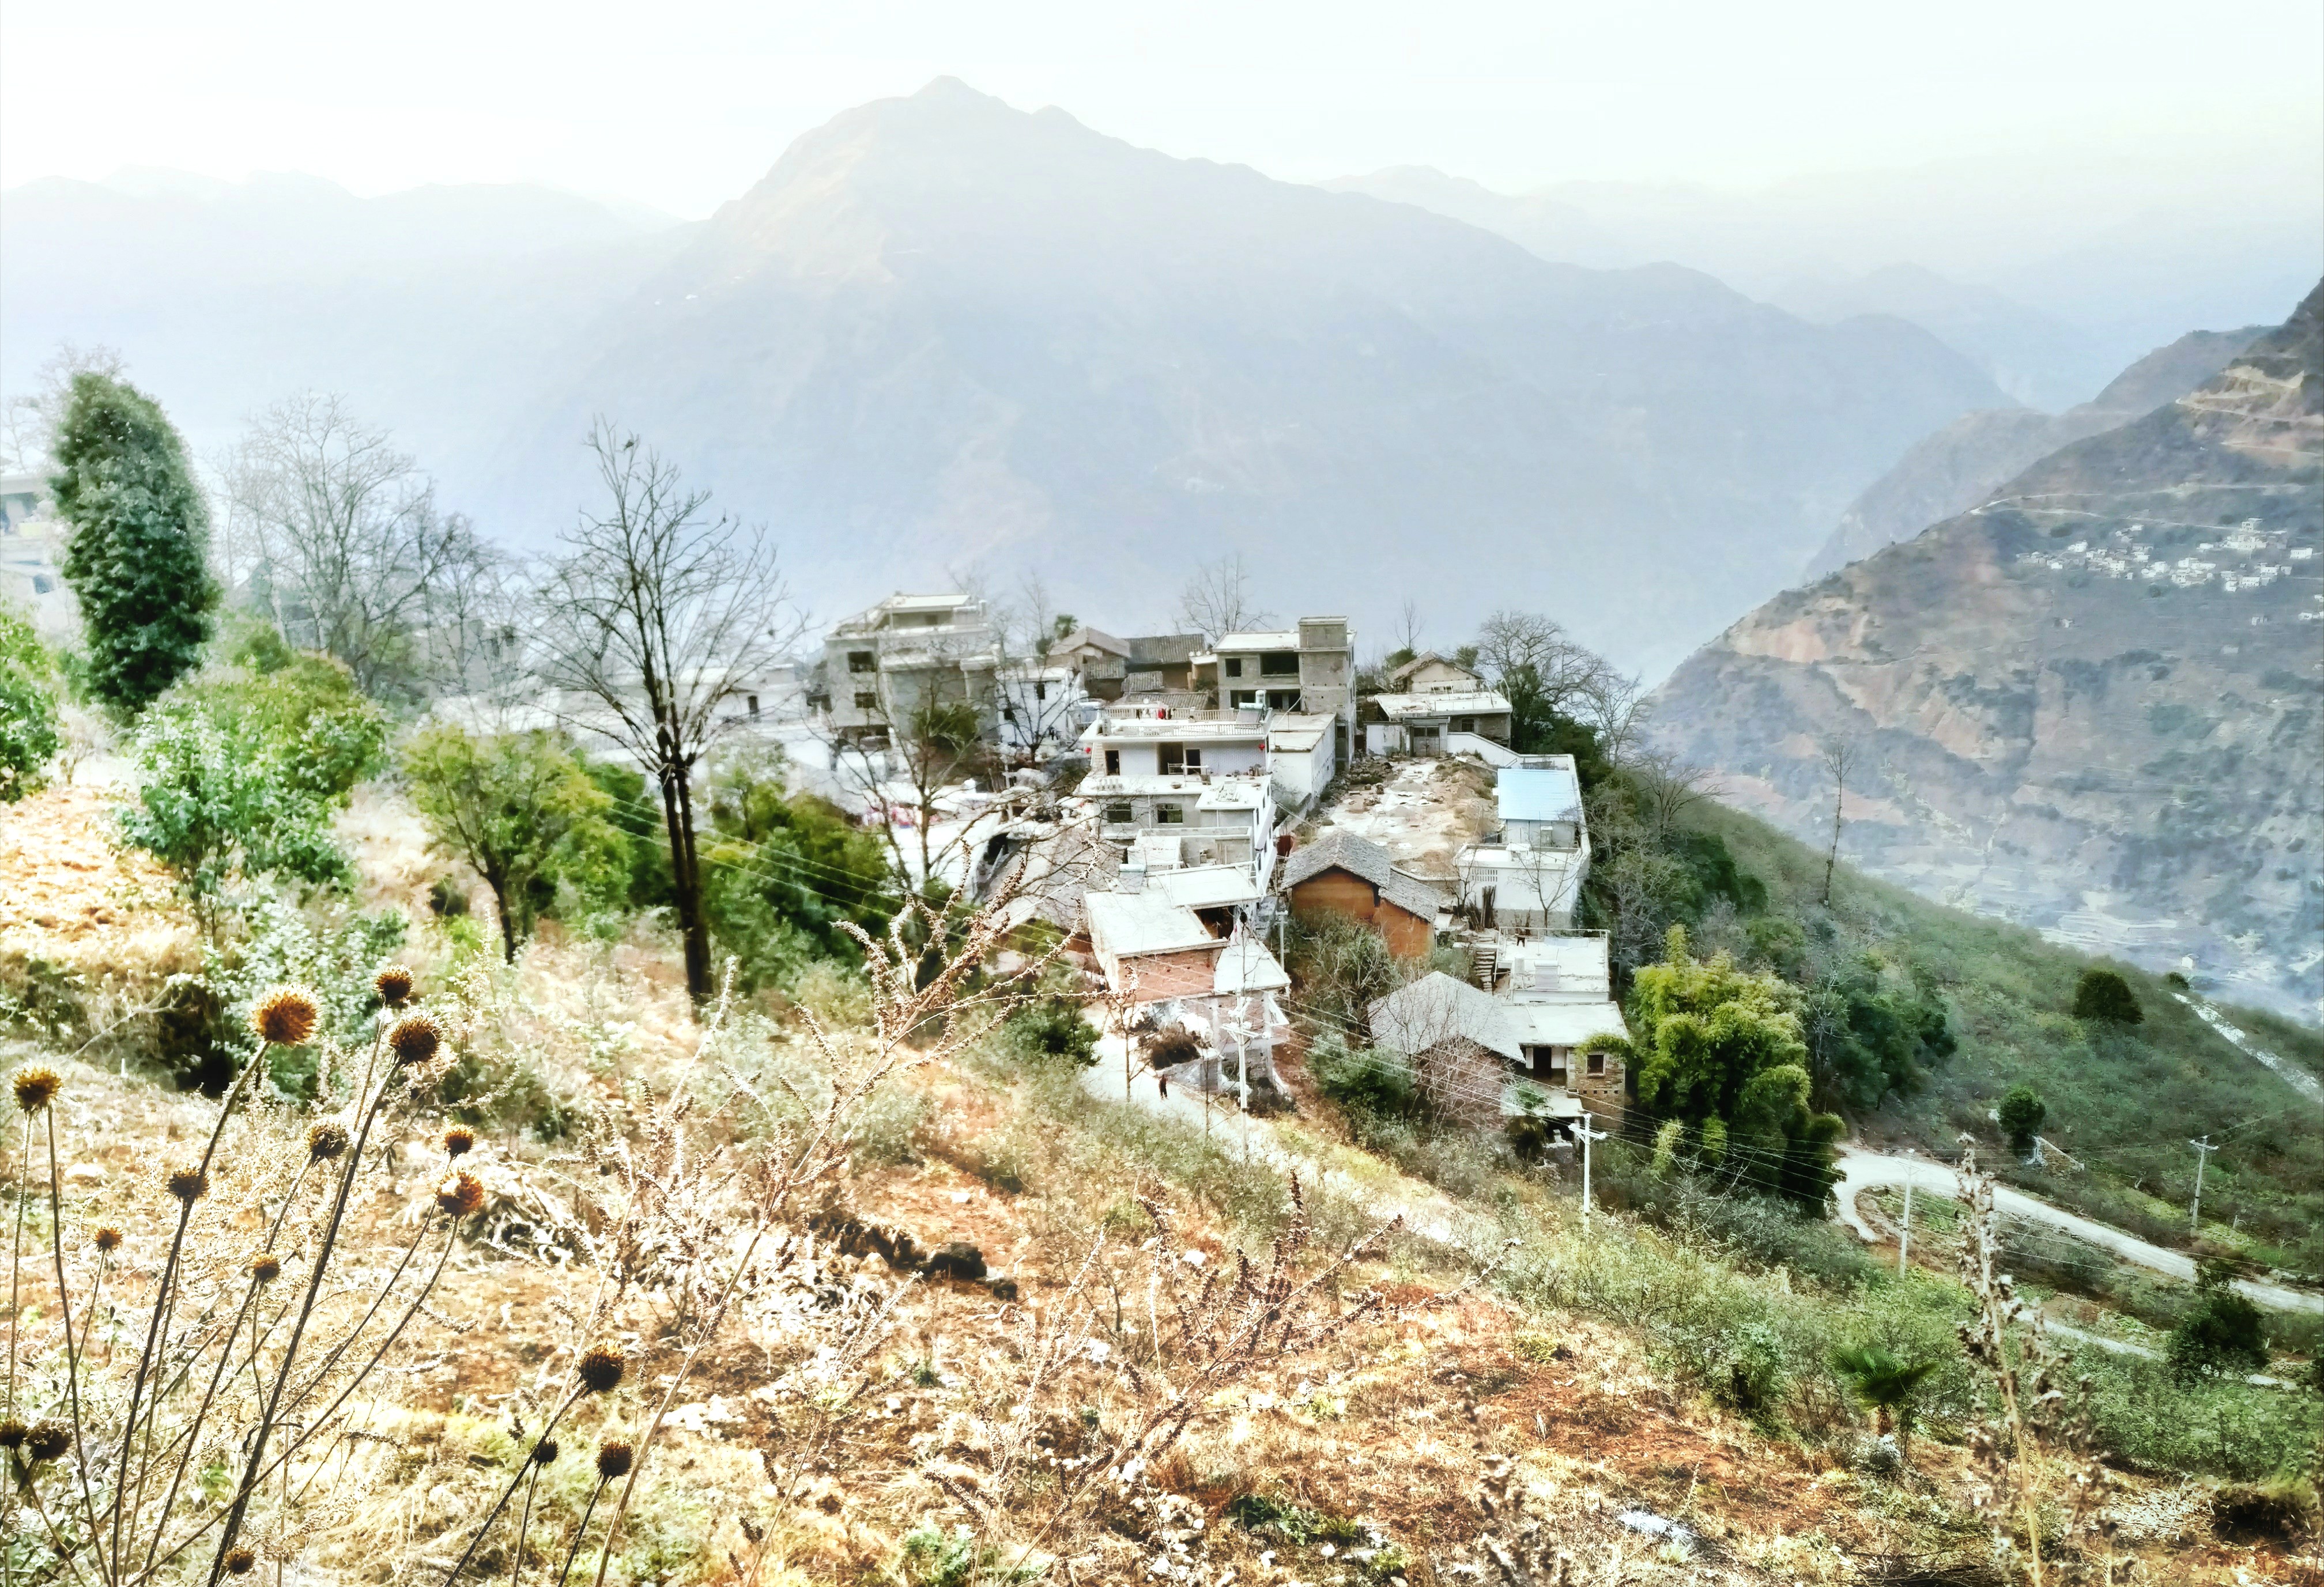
x: 1308, y: 670
x: 885, y: 665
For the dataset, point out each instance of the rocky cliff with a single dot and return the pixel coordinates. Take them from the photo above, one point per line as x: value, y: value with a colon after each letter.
x: 2094, y: 703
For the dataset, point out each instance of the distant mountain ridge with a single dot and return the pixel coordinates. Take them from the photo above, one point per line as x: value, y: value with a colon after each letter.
x: 943, y: 330
x: 2092, y: 704
x: 1968, y: 459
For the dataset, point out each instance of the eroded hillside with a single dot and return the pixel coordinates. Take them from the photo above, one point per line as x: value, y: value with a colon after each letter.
x: 2090, y: 703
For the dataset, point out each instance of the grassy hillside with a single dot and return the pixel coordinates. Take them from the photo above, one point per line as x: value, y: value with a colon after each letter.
x: 2124, y: 1102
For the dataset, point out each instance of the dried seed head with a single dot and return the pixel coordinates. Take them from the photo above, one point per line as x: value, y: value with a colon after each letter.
x: 415, y: 1038
x: 393, y: 984
x: 47, y: 1441
x: 36, y: 1087
x: 612, y: 1459
x: 326, y: 1142
x: 265, y: 1269
x: 12, y: 1433
x: 602, y: 1368
x: 108, y: 1239
x: 457, y: 1141
x: 189, y: 1184
x: 460, y: 1194
x: 544, y: 1452
x: 285, y: 1017
x: 239, y: 1561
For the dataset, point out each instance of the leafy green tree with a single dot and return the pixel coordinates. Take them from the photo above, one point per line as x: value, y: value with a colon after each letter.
x: 215, y: 813
x: 2105, y: 996
x: 518, y: 810
x: 1709, y: 1040
x: 137, y: 560
x: 1888, y: 1383
x: 28, y: 709
x: 1052, y: 1030
x: 2021, y: 1113
x: 776, y: 863
x: 1871, y: 1034
x: 2224, y: 1334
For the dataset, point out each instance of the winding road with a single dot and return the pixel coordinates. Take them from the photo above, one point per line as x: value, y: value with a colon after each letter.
x: 1861, y: 1170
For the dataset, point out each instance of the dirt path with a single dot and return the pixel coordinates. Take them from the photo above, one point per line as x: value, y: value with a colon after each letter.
x: 1428, y: 1213
x: 1861, y: 1170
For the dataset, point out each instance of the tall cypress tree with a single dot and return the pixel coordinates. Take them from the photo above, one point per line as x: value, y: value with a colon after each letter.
x: 139, y: 531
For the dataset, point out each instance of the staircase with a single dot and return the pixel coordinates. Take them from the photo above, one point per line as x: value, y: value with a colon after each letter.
x: 1484, y: 964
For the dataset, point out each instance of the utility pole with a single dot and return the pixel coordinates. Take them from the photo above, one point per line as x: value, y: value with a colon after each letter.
x: 2203, y: 1150
x: 1905, y: 1240
x: 1588, y: 1135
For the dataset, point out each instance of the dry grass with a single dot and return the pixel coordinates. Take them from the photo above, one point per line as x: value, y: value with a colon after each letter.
x: 850, y: 1419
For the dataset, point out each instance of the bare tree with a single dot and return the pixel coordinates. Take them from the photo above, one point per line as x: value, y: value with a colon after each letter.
x: 655, y: 617
x: 929, y: 751
x: 1570, y: 676
x: 1217, y: 601
x: 348, y: 530
x: 1838, y: 761
x: 1408, y: 627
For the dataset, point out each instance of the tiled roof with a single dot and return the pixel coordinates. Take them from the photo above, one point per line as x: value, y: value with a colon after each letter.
x: 1436, y: 1007
x: 1341, y: 850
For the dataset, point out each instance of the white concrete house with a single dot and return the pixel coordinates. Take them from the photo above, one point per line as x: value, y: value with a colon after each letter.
x: 1528, y: 876
x: 1434, y: 723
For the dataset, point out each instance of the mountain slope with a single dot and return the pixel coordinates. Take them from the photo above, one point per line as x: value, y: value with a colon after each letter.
x: 2091, y: 704
x: 942, y: 330
x: 1968, y: 459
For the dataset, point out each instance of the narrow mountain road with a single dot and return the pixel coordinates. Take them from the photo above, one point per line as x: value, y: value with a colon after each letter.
x: 1861, y: 1170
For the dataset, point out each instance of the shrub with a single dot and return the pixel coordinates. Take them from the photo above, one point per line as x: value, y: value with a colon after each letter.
x: 2021, y: 1112
x: 214, y: 814
x: 1051, y: 1029
x: 1370, y: 1080
x: 2283, y: 1507
x: 28, y: 709
x: 2102, y: 996
x: 2224, y: 1333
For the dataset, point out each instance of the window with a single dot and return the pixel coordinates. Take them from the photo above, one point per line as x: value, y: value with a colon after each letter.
x: 1283, y: 699
x: 862, y: 662
x: 1235, y: 666
x: 1119, y: 813
x: 1281, y: 664
x: 753, y: 702
x: 1242, y: 697
x: 1040, y: 691
x: 866, y: 701
x: 1114, y: 762
x: 1174, y: 759
x: 1194, y: 758
x: 1169, y: 816
x: 1597, y: 1063
x: 1557, y: 1065
x: 1465, y: 724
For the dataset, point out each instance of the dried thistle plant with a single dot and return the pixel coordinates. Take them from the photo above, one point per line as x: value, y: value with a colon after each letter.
x: 221, y: 1365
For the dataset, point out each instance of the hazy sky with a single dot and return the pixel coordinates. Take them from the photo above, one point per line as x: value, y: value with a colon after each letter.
x: 684, y: 104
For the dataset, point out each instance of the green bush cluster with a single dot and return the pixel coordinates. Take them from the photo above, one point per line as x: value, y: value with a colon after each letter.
x: 29, y: 739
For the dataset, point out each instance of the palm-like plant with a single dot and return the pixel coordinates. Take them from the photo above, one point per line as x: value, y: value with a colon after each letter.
x: 1888, y: 1383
